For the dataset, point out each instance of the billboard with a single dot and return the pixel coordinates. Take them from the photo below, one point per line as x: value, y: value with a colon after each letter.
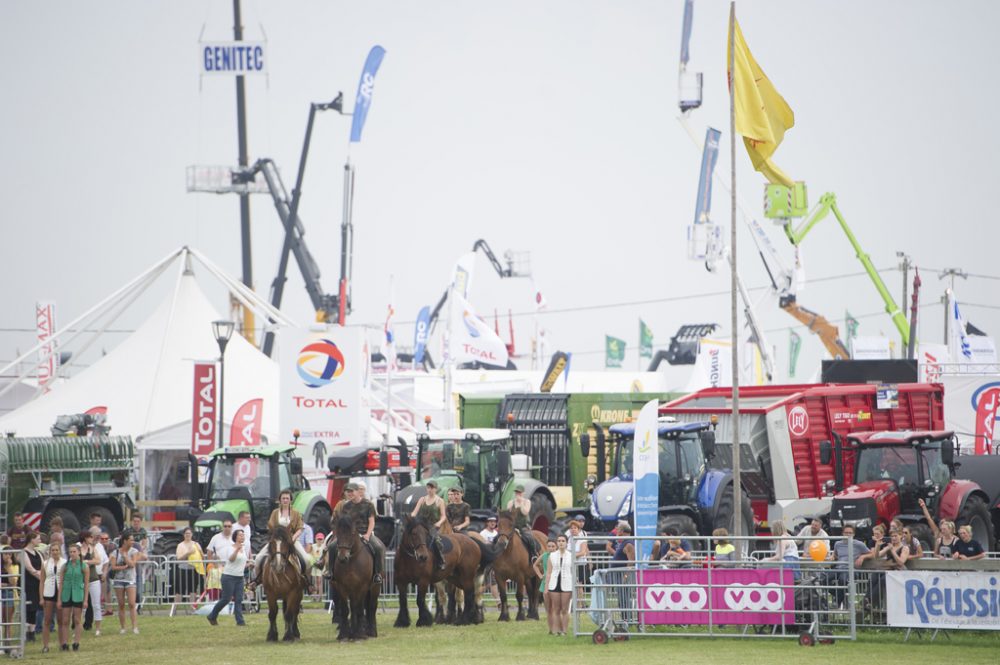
x: 204, y: 419
x: 943, y: 599
x: 735, y: 597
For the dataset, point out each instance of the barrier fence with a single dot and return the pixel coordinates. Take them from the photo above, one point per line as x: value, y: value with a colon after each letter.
x: 13, y: 603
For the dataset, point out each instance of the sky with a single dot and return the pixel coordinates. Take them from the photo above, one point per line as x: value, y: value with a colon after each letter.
x: 548, y: 127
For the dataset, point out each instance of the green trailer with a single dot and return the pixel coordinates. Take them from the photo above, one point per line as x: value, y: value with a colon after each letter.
x: 67, y: 476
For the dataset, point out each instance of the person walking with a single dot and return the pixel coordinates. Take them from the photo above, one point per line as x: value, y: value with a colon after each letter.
x: 72, y: 597
x: 49, y: 581
x: 232, y: 580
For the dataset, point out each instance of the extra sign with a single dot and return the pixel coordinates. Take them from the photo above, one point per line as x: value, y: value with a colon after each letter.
x: 233, y: 58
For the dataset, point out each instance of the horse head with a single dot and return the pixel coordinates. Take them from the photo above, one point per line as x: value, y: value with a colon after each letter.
x: 415, y: 539
x: 505, y: 529
x: 279, y: 548
x: 347, y: 539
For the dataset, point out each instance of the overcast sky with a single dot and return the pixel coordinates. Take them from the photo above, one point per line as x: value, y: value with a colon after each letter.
x: 543, y: 126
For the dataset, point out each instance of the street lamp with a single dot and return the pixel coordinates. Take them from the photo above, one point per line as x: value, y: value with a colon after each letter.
x: 223, y: 331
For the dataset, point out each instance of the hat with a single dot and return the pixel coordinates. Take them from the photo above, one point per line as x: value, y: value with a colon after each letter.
x: 491, y: 518
x: 350, y: 487
x: 432, y: 483
x: 519, y: 488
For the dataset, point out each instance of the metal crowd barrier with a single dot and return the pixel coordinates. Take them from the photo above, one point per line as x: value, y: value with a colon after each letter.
x: 13, y: 609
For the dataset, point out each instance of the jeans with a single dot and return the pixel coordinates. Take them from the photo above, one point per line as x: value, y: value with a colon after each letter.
x: 232, y: 590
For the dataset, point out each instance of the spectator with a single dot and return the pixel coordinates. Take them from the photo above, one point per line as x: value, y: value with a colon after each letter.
x: 95, y: 520
x: 896, y: 553
x: 318, y: 561
x: 94, y: 556
x: 123, y: 566
x: 560, y: 583
x: 944, y: 534
x: 222, y: 542
x: 623, y: 557
x: 967, y: 549
x: 725, y: 551
x: 307, y: 539
x: 661, y: 546
x: 581, y: 552
x: 243, y: 524
x: 232, y: 580
x: 141, y: 540
x: 676, y: 553
x: 541, y: 567
x: 31, y: 565
x: 785, y: 549
x: 612, y: 545
x: 813, y: 531
x: 916, y: 547
x: 839, y: 553
x: 490, y: 533
x: 57, y: 532
x: 190, y: 568
x: 49, y: 581
x: 110, y: 547
x: 10, y: 583
x: 878, y: 539
x: 72, y: 597
x: 18, y: 533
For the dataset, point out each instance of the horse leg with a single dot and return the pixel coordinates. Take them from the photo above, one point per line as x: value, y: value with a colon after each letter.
x: 480, y: 610
x: 424, y: 617
x: 441, y: 600
x: 272, y: 615
x: 372, y: 611
x: 533, y: 598
x: 344, y: 624
x: 519, y: 594
x: 298, y: 611
x: 356, y: 612
x: 471, y: 609
x: 403, y: 618
x: 454, y: 615
x: 502, y: 590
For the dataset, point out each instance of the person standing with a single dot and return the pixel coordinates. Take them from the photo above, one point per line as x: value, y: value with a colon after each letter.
x: 141, y: 540
x: 72, y: 597
x: 243, y: 524
x: 18, y: 533
x: 189, y: 569
x: 31, y: 565
x: 49, y: 581
x: 232, y: 580
x: 967, y: 549
x: 123, y: 567
x: 93, y: 555
x: 560, y: 583
x: 10, y: 583
x: 541, y: 567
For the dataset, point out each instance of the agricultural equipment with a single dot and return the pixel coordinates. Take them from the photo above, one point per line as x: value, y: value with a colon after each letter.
x: 893, y: 471
x: 694, y: 498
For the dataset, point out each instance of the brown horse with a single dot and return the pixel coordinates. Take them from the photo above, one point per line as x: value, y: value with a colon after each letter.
x: 513, y: 563
x: 283, y: 581
x: 415, y: 564
x: 352, y: 578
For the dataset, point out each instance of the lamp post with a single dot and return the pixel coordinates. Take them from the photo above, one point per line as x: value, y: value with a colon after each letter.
x: 223, y: 331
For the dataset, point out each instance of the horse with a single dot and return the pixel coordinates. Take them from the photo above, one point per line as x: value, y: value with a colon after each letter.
x: 283, y: 581
x: 415, y: 564
x: 352, y: 579
x: 513, y: 563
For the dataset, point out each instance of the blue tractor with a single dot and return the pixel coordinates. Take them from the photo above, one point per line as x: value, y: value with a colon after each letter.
x: 695, y: 498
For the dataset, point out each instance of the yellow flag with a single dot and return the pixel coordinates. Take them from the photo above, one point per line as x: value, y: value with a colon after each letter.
x: 762, y: 114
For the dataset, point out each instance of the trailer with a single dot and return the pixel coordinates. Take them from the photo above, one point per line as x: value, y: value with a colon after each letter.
x: 781, y: 428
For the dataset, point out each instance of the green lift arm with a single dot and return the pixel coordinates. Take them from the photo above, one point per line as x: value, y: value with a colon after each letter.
x: 828, y: 204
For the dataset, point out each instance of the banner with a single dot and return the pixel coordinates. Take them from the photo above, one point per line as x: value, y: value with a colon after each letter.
x: 614, y: 351
x: 709, y: 157
x: 851, y: 324
x: 366, y: 85
x: 471, y: 340
x: 645, y: 340
x: 870, y: 348
x: 646, y: 478
x: 244, y: 432
x: 233, y: 58
x: 930, y: 358
x: 321, y: 375
x: 943, y: 599
x: 713, y: 367
x: 45, y: 323
x: 960, y: 347
x: 686, y: 34
x: 420, y: 332
x: 558, y: 363
x: 461, y: 275
x: 204, y: 419
x: 794, y: 346
x: 739, y: 597
x: 971, y: 403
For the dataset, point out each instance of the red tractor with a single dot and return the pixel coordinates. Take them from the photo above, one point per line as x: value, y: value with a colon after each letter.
x: 894, y: 470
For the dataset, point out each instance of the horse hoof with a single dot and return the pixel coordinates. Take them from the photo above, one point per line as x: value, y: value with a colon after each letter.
x: 403, y: 623
x: 504, y: 617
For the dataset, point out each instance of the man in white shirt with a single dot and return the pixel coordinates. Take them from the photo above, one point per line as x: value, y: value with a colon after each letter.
x: 243, y: 524
x: 813, y: 531
x: 490, y: 533
x: 221, y: 545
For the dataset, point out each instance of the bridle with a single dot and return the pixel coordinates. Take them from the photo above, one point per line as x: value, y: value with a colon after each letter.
x: 278, y: 560
x: 409, y: 549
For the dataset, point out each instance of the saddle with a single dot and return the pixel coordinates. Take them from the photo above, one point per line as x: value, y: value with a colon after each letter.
x: 445, y: 544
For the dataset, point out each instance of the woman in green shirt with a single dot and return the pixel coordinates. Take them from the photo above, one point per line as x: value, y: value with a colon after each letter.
x: 542, y: 570
x: 73, y: 597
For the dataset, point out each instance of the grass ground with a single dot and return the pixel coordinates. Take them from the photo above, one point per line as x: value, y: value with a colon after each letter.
x: 182, y: 639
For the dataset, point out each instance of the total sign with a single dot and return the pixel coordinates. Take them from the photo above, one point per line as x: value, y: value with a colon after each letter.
x: 321, y: 387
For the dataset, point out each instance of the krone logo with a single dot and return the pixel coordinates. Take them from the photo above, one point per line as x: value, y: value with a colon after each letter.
x: 320, y: 363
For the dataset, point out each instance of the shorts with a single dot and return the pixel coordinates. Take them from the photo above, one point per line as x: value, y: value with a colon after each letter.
x: 7, y: 596
x: 123, y: 584
x: 72, y: 603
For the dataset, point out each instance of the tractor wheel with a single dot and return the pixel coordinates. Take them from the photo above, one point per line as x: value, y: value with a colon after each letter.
x: 977, y: 516
x: 542, y: 514
x: 684, y: 525
x: 922, y: 532
x: 108, y: 522
x: 166, y: 543
x: 724, y: 516
x: 68, y: 517
x: 319, y: 519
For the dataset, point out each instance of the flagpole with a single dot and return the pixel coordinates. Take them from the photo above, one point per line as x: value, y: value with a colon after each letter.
x: 449, y: 422
x: 734, y: 320
x: 390, y: 357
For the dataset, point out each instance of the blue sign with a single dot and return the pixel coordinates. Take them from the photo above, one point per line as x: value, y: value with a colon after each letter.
x: 365, y: 87
x: 686, y: 34
x: 420, y: 332
x: 233, y: 58
x: 710, y: 155
x: 646, y: 471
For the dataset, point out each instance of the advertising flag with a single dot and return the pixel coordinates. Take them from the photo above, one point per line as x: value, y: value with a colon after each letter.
x: 686, y: 34
x: 556, y: 367
x: 961, y: 349
x: 794, y: 346
x: 420, y: 335
x: 472, y: 340
x: 245, y: 428
x: 366, y: 86
x: 205, y: 416
x: 762, y: 114
x: 645, y: 340
x: 614, y: 351
x: 709, y: 157
x: 461, y: 275
x: 646, y: 478
x: 45, y: 322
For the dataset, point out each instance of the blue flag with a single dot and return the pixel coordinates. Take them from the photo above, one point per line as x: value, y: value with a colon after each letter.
x: 710, y: 155
x: 420, y: 335
x: 365, y: 87
x: 686, y: 34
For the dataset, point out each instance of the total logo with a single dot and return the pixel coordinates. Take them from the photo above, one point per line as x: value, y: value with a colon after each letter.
x: 320, y: 363
x: 470, y: 326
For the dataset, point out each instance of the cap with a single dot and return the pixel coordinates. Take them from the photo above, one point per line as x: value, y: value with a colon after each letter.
x: 432, y: 483
x: 491, y: 518
x: 320, y: 536
x: 350, y: 487
x: 519, y: 488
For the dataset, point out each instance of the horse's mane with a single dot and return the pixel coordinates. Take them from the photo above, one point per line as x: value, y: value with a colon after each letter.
x: 413, y: 522
x: 283, y: 534
x: 345, y: 525
x: 506, y: 515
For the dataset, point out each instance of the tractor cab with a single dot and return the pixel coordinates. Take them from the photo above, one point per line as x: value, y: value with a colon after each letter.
x: 477, y: 461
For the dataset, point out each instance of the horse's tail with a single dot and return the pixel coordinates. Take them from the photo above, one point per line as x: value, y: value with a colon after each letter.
x: 489, y: 552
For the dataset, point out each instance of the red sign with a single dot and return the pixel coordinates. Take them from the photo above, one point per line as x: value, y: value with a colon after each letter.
x: 203, y: 420
x: 245, y: 432
x: 45, y: 313
x: 989, y: 402
x: 798, y: 421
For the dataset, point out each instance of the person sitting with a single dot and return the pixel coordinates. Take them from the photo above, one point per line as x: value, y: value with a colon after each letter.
x: 896, y: 553
x: 520, y: 508
x: 661, y: 547
x: 967, y: 549
x: 458, y: 511
x: 842, y: 549
x: 361, y: 512
x: 725, y: 551
x: 431, y: 509
x: 286, y: 516
x: 813, y: 531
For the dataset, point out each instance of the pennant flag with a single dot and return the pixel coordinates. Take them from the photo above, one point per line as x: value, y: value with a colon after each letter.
x: 420, y: 335
x: 366, y: 85
x: 686, y: 32
x: 794, y: 346
x: 645, y: 340
x: 961, y: 348
x: 245, y: 428
x: 461, y: 275
x: 852, y: 325
x: 472, y: 339
x: 762, y: 114
x: 614, y: 351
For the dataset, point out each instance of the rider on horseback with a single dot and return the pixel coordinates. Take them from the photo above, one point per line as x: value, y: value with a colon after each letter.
x: 361, y: 512
x: 520, y: 508
x: 431, y: 509
x: 286, y: 516
x: 458, y: 511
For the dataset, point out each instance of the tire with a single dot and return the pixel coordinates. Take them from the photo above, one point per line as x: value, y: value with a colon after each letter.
x: 542, y: 514
x: 68, y: 517
x: 559, y: 527
x: 319, y: 519
x: 108, y: 521
x: 922, y: 532
x: 684, y: 525
x: 724, y: 515
x: 599, y: 637
x: 166, y: 544
x: 975, y: 514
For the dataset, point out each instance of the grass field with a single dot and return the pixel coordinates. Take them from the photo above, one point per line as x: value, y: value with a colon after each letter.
x: 183, y: 639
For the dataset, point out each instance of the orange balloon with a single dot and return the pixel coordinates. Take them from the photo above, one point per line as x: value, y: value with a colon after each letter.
x: 818, y: 550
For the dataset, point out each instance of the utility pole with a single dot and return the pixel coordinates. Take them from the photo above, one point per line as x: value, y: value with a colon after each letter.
x: 949, y: 293
x: 904, y: 265
x: 241, y: 129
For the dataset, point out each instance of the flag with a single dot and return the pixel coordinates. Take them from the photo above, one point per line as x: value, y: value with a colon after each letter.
x: 420, y: 335
x: 851, y: 324
x: 569, y: 360
x: 472, y: 339
x: 762, y: 114
x: 794, y: 346
x: 961, y: 348
x: 366, y: 85
x: 645, y: 340
x: 390, y: 336
x: 686, y: 32
x: 461, y: 274
x: 709, y: 157
x: 614, y: 351
x: 540, y: 302
x: 646, y: 478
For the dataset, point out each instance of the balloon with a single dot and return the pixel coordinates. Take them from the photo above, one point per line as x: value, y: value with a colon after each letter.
x: 818, y: 550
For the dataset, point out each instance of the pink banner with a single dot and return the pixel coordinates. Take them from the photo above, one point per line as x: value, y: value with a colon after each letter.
x: 736, y: 597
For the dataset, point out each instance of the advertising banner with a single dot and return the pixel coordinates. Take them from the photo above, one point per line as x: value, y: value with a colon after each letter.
x: 736, y: 596
x: 321, y: 378
x: 366, y: 86
x: 244, y: 432
x: 646, y: 474
x: 943, y: 599
x: 709, y: 158
x: 870, y: 348
x: 204, y: 419
x: 714, y: 365
x: 420, y: 335
x: 970, y: 409
x: 45, y: 322
x: 233, y: 58
x: 471, y: 340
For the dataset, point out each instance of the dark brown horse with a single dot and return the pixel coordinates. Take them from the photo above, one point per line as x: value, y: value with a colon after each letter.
x: 283, y: 581
x: 513, y: 563
x: 352, y: 578
x: 415, y: 564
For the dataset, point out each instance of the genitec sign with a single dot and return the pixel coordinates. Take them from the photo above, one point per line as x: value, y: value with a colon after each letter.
x: 233, y: 58
x: 203, y: 419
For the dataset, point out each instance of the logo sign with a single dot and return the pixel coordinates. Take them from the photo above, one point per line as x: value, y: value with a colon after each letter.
x: 203, y: 420
x: 646, y: 482
x: 420, y: 335
x: 320, y: 363
x: 556, y: 367
x: 244, y: 433
x: 735, y: 597
x: 939, y: 599
x: 798, y: 421
x: 887, y: 396
x: 45, y: 322
x: 985, y: 401
x: 849, y: 418
x: 366, y: 85
x: 233, y: 58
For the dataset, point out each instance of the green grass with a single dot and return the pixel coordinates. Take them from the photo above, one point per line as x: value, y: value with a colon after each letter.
x: 188, y: 639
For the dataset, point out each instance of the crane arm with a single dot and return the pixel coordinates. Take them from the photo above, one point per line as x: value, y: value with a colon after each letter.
x: 828, y: 204
x: 818, y: 324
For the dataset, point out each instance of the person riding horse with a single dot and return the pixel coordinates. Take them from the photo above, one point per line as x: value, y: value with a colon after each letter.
x: 361, y: 512
x: 432, y: 510
x: 286, y: 516
x: 520, y: 507
x: 458, y: 511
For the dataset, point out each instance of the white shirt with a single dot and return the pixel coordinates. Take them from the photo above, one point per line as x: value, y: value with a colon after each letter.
x: 102, y: 558
x: 52, y: 571
x: 561, y: 571
x: 237, y: 565
x: 221, y: 546
x: 247, y: 532
x: 806, y: 534
x: 489, y: 536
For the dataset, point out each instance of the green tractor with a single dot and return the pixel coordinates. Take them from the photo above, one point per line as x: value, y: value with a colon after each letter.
x: 479, y: 462
x: 250, y: 479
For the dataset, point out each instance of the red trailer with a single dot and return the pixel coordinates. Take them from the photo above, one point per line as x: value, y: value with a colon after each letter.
x: 782, y: 426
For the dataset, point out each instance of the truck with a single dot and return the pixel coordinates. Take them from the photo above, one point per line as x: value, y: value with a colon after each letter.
x: 893, y: 471
x: 694, y: 497
x: 246, y: 478
x: 479, y: 462
x: 70, y: 477
x: 783, y: 426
